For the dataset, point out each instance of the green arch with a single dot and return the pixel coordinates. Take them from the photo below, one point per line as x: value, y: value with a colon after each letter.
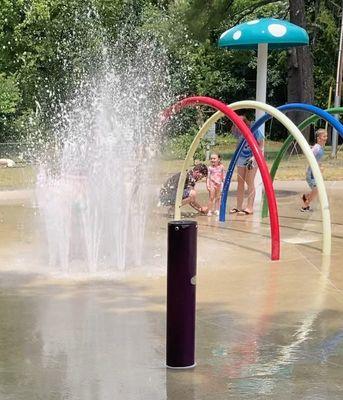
x: 311, y: 120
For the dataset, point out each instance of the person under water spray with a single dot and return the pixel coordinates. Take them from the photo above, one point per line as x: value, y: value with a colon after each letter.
x: 169, y: 189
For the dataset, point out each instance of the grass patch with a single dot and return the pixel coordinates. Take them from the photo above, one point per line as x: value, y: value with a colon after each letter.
x: 19, y: 177
x: 293, y: 167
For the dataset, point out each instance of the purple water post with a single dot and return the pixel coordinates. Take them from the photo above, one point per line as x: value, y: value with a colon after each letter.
x: 181, y: 280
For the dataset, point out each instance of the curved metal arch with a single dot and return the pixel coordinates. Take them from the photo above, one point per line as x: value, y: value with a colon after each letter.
x: 225, y: 110
x: 308, y: 121
x: 284, y: 120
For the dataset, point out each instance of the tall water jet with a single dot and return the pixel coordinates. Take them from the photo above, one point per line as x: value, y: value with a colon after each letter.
x: 94, y: 185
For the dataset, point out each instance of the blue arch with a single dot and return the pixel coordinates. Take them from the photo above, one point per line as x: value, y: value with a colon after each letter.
x: 286, y: 107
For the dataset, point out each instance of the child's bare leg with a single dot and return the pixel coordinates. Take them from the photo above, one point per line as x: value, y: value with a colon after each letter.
x: 312, y: 195
x: 212, y: 195
x: 241, y: 172
x: 250, y: 178
x: 217, y: 201
x: 304, y: 199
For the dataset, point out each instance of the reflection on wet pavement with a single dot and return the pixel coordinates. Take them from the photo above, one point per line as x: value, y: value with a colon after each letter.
x: 264, y: 329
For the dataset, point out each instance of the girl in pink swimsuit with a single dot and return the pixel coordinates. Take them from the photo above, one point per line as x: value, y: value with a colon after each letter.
x: 214, y: 182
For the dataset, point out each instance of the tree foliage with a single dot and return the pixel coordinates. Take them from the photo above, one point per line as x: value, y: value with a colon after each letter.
x: 9, y: 95
x: 47, y: 45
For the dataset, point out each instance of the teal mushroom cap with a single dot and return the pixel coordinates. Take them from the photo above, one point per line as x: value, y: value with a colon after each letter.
x: 276, y: 33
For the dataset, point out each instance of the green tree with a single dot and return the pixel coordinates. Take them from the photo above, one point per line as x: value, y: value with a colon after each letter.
x: 47, y: 46
x: 9, y: 95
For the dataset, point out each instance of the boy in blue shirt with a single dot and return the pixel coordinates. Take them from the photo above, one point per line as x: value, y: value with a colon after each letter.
x: 318, y: 151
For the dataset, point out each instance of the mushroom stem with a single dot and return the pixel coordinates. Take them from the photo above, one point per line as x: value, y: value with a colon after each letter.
x: 261, y: 78
x: 261, y: 90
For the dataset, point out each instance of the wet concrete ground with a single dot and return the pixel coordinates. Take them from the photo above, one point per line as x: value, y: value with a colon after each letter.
x: 265, y: 330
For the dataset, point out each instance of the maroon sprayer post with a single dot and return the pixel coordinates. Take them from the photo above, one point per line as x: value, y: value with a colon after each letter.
x: 181, y: 280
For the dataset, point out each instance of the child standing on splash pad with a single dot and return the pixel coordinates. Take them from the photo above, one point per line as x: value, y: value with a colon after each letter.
x: 215, y: 179
x: 318, y: 151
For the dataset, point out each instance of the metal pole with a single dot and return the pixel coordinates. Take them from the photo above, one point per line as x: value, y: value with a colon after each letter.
x: 181, y: 280
x: 329, y: 105
x: 207, y: 152
x: 338, y: 87
x: 261, y: 94
x: 261, y: 78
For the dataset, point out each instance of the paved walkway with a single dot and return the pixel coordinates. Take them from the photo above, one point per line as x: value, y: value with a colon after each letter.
x: 264, y: 329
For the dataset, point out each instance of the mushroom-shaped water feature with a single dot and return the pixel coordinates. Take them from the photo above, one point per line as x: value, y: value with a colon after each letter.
x: 259, y: 34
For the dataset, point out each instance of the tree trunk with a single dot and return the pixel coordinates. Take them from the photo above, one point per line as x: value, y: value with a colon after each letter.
x: 300, y: 86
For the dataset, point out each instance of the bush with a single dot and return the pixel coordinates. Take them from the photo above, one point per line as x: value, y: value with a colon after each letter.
x: 178, y: 147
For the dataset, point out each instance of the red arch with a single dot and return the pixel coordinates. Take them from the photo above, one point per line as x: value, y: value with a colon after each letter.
x: 249, y: 137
